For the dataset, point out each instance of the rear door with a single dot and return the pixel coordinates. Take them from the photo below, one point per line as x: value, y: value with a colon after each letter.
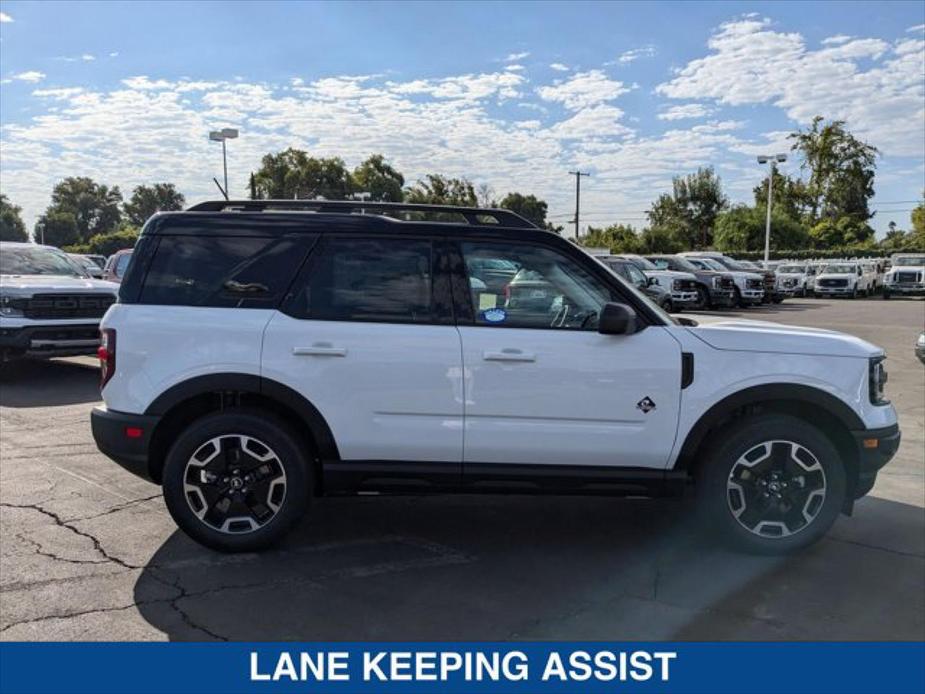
x: 542, y: 386
x: 367, y: 336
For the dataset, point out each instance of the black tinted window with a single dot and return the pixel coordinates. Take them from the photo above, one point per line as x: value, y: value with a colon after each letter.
x: 222, y: 271
x: 368, y: 280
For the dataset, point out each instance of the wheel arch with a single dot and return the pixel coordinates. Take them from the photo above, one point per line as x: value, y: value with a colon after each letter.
x: 188, y: 400
x: 833, y: 416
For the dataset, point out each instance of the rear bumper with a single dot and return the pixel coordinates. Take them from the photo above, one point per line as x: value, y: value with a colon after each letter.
x: 49, y: 340
x: 110, y: 433
x: 876, y: 447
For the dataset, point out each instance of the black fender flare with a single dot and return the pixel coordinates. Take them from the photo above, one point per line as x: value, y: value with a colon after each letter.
x: 250, y: 383
x: 756, y: 395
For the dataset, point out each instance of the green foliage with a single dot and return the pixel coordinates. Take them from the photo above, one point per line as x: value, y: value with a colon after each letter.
x: 93, y: 207
x: 292, y: 174
x: 619, y: 238
x: 12, y: 227
x: 379, y: 179
x: 789, y: 195
x: 690, y: 211
x: 147, y: 200
x: 843, y: 231
x: 435, y: 189
x: 107, y: 244
x: 661, y: 240
x: 527, y: 206
x: 841, y: 171
x: 917, y: 233
x: 57, y: 229
x: 743, y: 228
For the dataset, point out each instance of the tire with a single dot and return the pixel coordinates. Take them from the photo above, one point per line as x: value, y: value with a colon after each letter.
x: 272, y: 460
x: 854, y: 292
x: 886, y: 295
x: 703, y: 299
x: 731, y: 487
x: 666, y: 305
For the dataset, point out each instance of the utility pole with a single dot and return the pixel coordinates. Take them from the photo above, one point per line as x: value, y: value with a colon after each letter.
x: 577, y: 175
x: 772, y: 167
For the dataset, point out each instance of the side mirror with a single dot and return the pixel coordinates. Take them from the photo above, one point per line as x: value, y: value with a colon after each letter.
x: 650, y: 281
x: 616, y: 319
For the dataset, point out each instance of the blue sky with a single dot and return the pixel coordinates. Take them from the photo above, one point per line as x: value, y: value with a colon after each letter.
x: 508, y: 94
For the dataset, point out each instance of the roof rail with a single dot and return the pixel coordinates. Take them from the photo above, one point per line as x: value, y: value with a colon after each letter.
x: 474, y: 216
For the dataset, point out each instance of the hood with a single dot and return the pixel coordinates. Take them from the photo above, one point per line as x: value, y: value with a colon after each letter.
x: 906, y: 268
x: 762, y: 336
x: 27, y: 285
x: 791, y: 274
x: 742, y: 274
x: 670, y: 274
x: 837, y: 276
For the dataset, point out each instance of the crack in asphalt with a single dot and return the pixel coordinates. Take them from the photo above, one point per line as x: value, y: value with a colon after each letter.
x: 897, y: 552
x: 116, y: 508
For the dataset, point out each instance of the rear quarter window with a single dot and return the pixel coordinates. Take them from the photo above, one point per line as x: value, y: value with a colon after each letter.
x: 239, y: 271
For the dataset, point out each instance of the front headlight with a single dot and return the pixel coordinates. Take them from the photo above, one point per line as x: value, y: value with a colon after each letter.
x: 878, y: 379
x: 920, y: 343
x: 7, y: 308
x: 676, y: 285
x: 717, y: 282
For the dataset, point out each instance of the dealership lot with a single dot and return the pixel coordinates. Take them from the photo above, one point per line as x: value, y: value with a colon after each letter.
x: 87, y: 551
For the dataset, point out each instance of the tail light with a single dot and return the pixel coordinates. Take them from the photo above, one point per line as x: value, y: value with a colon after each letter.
x: 107, y: 354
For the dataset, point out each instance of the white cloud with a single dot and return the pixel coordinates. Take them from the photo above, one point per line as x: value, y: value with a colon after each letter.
x: 837, y: 39
x: 918, y: 28
x: 87, y: 57
x: 514, y: 57
x: 57, y: 94
x: 685, y: 111
x: 114, y: 54
x: 29, y: 76
x: 594, y: 122
x: 749, y: 63
x: 504, y: 85
x: 515, y: 68
x: 5, y: 18
x: 635, y: 54
x: 559, y: 67
x: 583, y: 89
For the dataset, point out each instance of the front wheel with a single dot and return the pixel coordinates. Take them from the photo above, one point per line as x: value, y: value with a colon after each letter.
x: 886, y: 295
x: 771, y: 484
x: 237, y: 480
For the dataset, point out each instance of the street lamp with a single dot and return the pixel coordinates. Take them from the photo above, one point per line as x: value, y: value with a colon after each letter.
x: 772, y: 161
x: 221, y: 136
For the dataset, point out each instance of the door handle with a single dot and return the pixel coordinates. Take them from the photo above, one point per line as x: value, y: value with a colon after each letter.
x: 508, y: 354
x: 320, y: 349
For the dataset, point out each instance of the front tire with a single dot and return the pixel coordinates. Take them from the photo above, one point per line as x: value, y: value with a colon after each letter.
x: 237, y: 480
x: 771, y: 484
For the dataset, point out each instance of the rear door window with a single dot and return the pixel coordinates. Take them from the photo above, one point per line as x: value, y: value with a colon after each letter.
x: 233, y: 271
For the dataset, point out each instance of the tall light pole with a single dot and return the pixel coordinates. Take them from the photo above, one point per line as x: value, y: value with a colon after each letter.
x: 771, y: 160
x: 577, y: 175
x: 221, y: 136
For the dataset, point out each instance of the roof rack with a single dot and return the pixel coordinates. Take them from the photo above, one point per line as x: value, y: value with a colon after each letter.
x: 474, y: 216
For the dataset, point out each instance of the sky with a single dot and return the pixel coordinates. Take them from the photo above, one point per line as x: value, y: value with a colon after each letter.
x: 514, y: 95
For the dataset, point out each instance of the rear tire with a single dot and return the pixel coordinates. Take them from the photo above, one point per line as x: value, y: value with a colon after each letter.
x: 770, y: 484
x: 237, y: 480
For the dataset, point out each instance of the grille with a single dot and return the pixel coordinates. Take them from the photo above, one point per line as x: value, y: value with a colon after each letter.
x: 64, y: 306
x: 770, y: 280
x: 833, y: 283
x: 727, y: 283
x: 687, y: 285
x: 907, y: 277
x: 790, y: 282
x: 754, y: 284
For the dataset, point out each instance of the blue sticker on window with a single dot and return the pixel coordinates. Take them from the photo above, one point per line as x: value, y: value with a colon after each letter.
x: 494, y: 315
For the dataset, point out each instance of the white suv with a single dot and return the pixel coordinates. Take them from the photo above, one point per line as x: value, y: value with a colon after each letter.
x: 257, y: 360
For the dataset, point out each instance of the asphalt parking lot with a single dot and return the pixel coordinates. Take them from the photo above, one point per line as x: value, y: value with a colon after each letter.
x: 89, y: 552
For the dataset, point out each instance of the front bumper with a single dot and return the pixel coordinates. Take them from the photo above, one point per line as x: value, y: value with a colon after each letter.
x: 48, y: 339
x: 111, y: 433
x: 722, y: 297
x: 752, y: 296
x: 876, y: 447
x: 913, y: 289
x: 682, y: 298
x: 834, y: 290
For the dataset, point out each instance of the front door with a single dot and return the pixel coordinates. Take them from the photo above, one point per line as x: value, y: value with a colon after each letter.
x: 542, y: 386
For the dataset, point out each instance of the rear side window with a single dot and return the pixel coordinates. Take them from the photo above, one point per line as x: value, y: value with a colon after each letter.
x: 357, y: 279
x: 244, y: 272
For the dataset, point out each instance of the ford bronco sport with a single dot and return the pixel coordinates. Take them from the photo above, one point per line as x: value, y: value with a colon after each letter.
x: 265, y: 353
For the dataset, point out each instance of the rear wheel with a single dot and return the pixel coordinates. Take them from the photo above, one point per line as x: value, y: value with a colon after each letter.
x: 666, y: 305
x: 236, y: 481
x: 771, y: 484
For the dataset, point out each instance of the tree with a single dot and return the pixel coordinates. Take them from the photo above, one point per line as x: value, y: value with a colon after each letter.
x: 789, y: 195
x: 12, y: 227
x: 379, y: 179
x: 917, y: 233
x: 57, y: 229
x: 690, y: 211
x: 107, y: 244
x: 841, y: 171
x: 435, y: 189
x: 485, y: 194
x: 147, y: 200
x: 619, y: 238
x: 844, y: 231
x: 660, y: 240
x: 742, y: 228
x: 95, y: 208
x: 292, y: 174
x: 529, y: 207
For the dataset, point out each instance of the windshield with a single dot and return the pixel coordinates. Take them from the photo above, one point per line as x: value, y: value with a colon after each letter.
x: 22, y: 260
x: 912, y: 260
x: 709, y: 264
x: 840, y: 269
x: 642, y: 263
x: 730, y: 264
x: 791, y: 269
x: 682, y: 264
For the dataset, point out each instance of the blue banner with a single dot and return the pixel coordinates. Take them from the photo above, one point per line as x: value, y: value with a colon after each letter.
x: 423, y: 668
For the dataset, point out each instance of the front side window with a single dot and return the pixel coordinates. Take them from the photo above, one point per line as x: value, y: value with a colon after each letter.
x: 547, y: 290
x: 122, y: 264
x: 362, y: 279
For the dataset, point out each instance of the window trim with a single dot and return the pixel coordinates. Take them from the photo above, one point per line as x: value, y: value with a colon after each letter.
x: 442, y: 304
x: 465, y: 310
